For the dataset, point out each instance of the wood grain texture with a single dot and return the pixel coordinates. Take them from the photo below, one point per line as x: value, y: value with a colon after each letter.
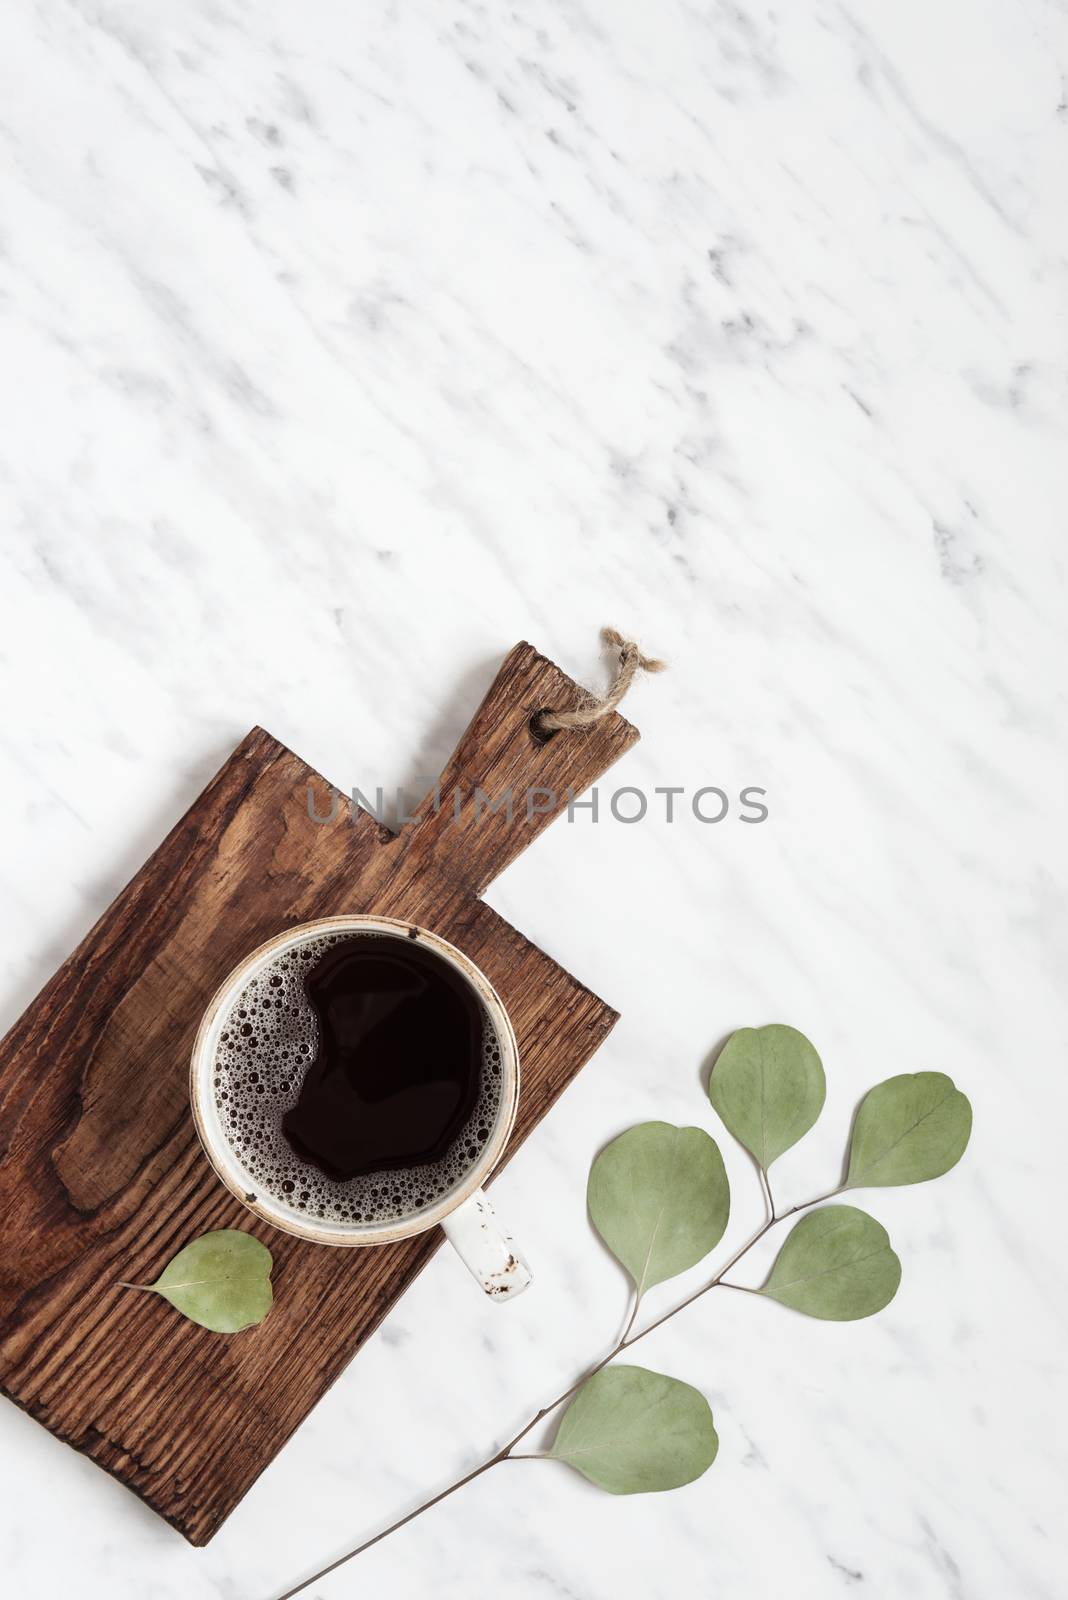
x: 101, y: 1174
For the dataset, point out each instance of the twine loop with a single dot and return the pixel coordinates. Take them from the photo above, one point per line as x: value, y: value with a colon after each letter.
x: 631, y: 662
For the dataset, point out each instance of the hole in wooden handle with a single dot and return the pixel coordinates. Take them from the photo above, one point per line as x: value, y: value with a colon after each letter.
x: 540, y: 734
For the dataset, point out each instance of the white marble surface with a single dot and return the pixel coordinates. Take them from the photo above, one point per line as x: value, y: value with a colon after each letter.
x: 343, y: 345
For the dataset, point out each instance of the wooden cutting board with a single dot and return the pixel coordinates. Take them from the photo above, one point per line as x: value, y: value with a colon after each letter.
x: 101, y: 1174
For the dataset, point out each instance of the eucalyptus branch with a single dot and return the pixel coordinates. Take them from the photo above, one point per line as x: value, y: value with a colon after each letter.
x: 659, y: 1197
x: 626, y: 1341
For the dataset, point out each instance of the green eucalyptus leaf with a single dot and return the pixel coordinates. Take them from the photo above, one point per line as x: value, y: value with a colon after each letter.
x: 631, y: 1431
x: 221, y: 1281
x: 836, y: 1264
x: 768, y: 1087
x: 659, y: 1198
x: 907, y: 1130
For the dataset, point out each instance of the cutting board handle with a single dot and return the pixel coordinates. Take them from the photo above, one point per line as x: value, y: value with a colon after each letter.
x: 504, y: 783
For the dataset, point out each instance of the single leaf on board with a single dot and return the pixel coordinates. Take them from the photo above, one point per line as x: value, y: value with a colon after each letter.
x: 632, y: 1431
x: 907, y: 1130
x: 836, y: 1264
x: 221, y: 1281
x: 659, y: 1197
x: 768, y: 1087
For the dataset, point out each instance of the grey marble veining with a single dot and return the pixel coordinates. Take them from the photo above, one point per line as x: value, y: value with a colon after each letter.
x: 344, y: 346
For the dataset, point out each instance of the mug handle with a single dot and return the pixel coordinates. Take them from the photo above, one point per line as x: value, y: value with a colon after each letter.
x: 486, y: 1249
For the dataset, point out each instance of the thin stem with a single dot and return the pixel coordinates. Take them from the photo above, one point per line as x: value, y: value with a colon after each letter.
x: 508, y: 1452
x: 630, y: 1322
x: 544, y: 1412
x: 360, y: 1548
x: 504, y: 1454
x: 771, y: 1222
x: 766, y: 1186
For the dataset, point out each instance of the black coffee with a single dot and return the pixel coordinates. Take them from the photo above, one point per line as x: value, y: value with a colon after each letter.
x: 269, y: 1068
x: 397, y: 1070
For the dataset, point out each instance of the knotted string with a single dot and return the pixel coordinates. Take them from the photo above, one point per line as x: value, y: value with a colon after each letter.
x: 631, y: 661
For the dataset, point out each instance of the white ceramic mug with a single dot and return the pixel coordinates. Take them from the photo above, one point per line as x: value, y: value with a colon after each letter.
x: 463, y: 1211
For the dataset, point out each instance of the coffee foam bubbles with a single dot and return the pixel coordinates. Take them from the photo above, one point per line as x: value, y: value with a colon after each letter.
x: 266, y: 1045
